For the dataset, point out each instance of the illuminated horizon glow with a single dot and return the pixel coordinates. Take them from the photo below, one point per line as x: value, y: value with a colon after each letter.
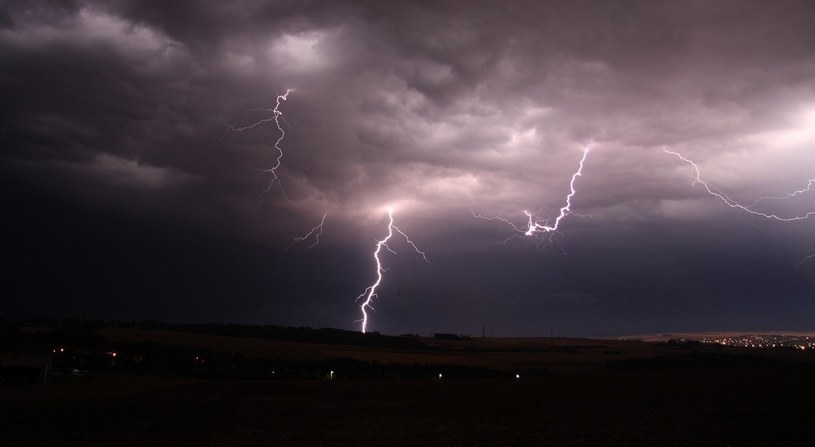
x: 370, y: 291
x: 316, y: 231
x: 276, y: 114
x: 715, y: 192
x: 536, y: 226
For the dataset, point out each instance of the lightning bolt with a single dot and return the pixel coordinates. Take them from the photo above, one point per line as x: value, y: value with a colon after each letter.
x: 715, y: 192
x: 317, y: 231
x: 370, y: 292
x: 804, y: 260
x: 536, y: 226
x: 788, y: 195
x: 275, y: 117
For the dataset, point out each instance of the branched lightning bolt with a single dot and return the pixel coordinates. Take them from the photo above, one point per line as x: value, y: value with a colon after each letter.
x: 275, y: 117
x: 317, y: 231
x: 535, y: 226
x: 712, y: 190
x: 788, y: 195
x: 370, y: 292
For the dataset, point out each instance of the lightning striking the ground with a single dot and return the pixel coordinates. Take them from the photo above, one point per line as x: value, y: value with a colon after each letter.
x: 536, y: 226
x: 316, y: 232
x: 370, y: 292
x: 275, y: 117
x: 715, y: 192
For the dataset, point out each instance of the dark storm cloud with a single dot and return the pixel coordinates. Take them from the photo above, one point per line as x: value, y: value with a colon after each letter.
x: 117, y: 111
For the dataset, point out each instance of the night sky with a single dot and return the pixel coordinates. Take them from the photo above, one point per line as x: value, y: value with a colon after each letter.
x: 125, y: 196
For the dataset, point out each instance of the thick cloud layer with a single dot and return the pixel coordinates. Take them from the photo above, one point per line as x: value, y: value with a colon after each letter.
x: 128, y: 196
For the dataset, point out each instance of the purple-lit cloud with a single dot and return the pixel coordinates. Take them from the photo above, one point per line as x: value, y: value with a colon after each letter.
x: 442, y: 108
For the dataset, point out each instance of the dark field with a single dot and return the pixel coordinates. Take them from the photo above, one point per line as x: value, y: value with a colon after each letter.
x: 585, y: 393
x: 709, y: 406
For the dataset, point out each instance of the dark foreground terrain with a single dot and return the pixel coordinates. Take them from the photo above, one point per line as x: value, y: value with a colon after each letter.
x: 711, y: 406
x: 595, y: 393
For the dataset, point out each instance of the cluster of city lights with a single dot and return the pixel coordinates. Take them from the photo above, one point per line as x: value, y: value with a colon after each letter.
x: 764, y: 341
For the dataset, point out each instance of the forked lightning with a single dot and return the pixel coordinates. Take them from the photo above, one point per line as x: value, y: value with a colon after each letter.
x: 536, y: 226
x: 316, y: 232
x: 715, y: 192
x: 276, y: 114
x: 370, y: 292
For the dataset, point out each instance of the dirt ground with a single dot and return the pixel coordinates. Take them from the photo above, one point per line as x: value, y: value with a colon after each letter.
x: 728, y: 406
